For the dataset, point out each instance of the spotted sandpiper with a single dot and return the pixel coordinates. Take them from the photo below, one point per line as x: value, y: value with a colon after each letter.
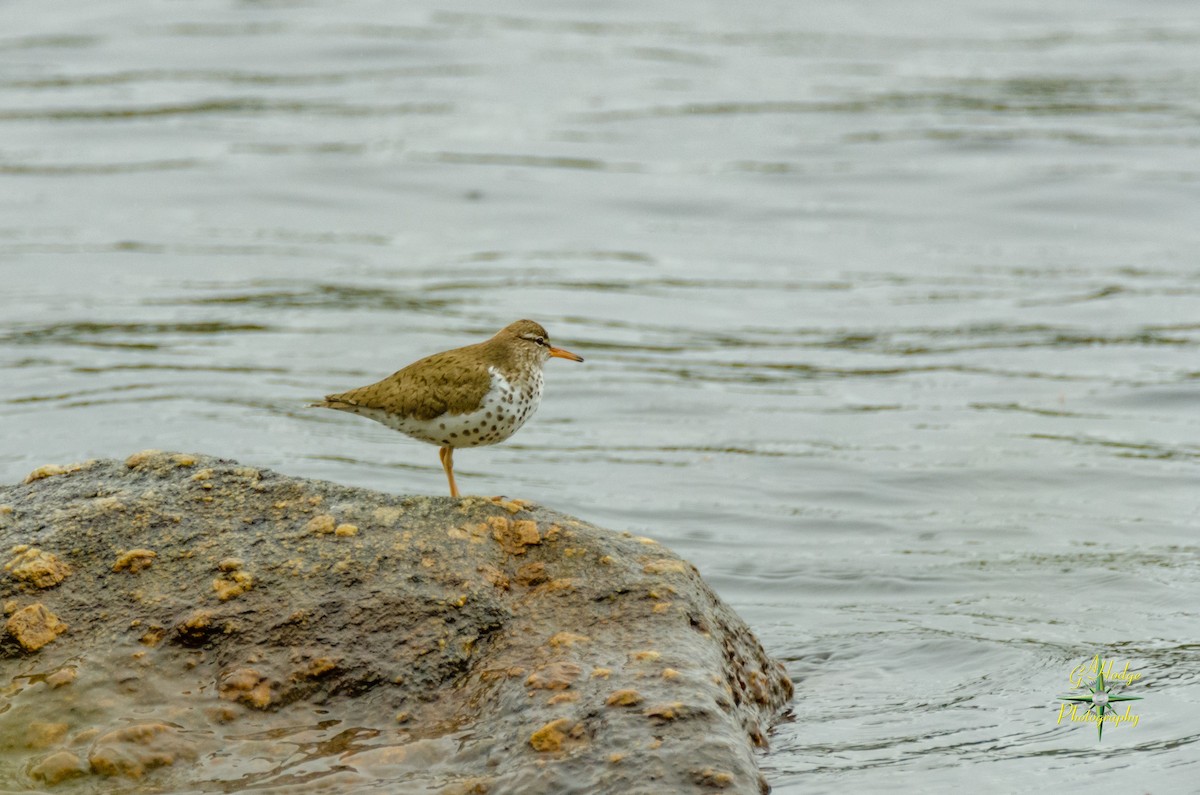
x: 466, y: 397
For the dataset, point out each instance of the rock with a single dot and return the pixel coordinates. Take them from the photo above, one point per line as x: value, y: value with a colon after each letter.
x: 236, y: 628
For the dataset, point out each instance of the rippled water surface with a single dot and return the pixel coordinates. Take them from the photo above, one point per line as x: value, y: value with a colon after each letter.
x: 891, y: 314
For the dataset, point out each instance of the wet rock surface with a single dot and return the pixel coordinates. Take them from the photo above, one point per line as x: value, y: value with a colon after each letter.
x: 178, y: 623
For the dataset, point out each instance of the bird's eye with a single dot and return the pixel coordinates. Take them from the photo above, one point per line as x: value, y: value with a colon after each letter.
x: 540, y: 340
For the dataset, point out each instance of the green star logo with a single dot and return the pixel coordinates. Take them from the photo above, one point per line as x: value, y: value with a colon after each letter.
x: 1099, y: 699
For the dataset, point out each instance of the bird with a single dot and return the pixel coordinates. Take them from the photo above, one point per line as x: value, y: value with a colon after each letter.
x: 466, y: 397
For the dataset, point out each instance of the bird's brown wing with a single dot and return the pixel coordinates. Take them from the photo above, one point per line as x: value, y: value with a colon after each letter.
x: 438, y: 384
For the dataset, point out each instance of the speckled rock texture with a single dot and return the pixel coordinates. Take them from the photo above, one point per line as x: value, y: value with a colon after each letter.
x: 178, y: 623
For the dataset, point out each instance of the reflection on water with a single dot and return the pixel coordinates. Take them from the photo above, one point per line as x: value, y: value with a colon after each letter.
x: 889, y: 318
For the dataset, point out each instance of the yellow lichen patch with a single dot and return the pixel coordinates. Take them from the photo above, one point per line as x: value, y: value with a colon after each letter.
x: 670, y: 674
x: 183, y: 460
x: 203, y: 474
x: 645, y: 656
x: 61, y: 677
x: 139, y: 458
x: 246, y: 686
x: 345, y: 530
x: 321, y: 525
x: 37, y: 568
x: 624, y: 698
x: 554, y: 676
x: 458, y: 534
x: 560, y: 639
x: 527, y: 531
x: 230, y: 564
x: 195, y: 627
x: 512, y: 506
x: 601, y: 673
x: 5, y: 509
x: 153, y: 636
x: 237, y: 584
x: 665, y: 712
x: 39, y: 734
x: 562, y: 698
x: 615, y: 758
x: 514, y: 536
x: 11, y: 606
x: 316, y: 668
x: 403, y: 717
x: 552, y: 533
x: 555, y: 734
x: 34, y: 626
x: 708, y: 777
x: 58, y: 767
x: 134, y: 560
x: 132, y: 751
x: 662, y: 607
x: 647, y: 541
x: 531, y: 574
x: 665, y: 566
x: 50, y: 470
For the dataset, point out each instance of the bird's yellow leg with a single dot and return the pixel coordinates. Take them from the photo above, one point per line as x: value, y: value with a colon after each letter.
x: 447, y: 456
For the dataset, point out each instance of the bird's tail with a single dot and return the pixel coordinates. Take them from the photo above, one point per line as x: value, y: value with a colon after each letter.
x: 333, y: 402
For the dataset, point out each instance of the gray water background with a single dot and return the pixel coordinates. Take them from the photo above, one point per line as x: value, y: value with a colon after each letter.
x: 891, y: 314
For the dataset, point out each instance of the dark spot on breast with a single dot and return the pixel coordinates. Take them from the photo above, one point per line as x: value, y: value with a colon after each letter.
x: 454, y: 436
x: 442, y: 425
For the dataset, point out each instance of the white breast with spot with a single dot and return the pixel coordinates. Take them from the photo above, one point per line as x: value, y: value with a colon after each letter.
x: 505, y: 408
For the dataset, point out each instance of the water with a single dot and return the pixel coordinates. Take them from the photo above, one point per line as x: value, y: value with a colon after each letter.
x: 890, y: 314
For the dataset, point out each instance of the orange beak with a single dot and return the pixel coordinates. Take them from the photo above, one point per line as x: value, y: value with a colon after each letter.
x: 560, y: 353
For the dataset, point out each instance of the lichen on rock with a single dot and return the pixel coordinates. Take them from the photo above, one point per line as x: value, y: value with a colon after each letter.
x: 134, y: 560
x: 34, y: 626
x: 36, y: 567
